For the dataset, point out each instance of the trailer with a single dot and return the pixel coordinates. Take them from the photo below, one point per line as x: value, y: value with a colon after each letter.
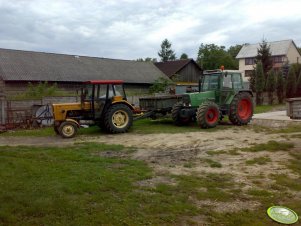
x: 155, y: 106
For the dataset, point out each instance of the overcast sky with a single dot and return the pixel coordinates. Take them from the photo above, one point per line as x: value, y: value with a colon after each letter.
x: 131, y: 29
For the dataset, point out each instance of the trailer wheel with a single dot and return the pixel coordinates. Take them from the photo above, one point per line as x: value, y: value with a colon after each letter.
x: 118, y: 118
x: 241, y: 109
x: 176, y: 117
x: 68, y: 129
x: 208, y: 115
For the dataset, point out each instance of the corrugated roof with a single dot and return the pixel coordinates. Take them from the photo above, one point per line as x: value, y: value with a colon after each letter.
x: 170, y: 68
x: 277, y: 48
x: 17, y: 65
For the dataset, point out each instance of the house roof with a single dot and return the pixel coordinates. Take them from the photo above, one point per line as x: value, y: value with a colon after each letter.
x: 18, y: 65
x: 277, y: 48
x: 171, y: 68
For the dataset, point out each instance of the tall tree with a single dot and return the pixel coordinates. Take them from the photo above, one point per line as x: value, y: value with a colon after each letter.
x: 211, y: 56
x: 298, y: 89
x: 166, y: 53
x: 233, y: 51
x: 291, y: 83
x: 280, y: 84
x: 259, y: 83
x: 184, y: 56
x: 252, y: 81
x: 271, y: 85
x: 264, y: 56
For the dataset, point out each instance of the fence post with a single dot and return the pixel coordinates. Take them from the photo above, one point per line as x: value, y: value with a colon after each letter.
x: 2, y: 107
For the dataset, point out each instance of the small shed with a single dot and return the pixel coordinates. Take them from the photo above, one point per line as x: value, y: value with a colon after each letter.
x: 294, y: 107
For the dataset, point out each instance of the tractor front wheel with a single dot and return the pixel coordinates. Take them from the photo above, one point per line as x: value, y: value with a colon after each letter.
x: 118, y: 118
x: 176, y: 117
x: 241, y: 109
x: 67, y: 129
x: 208, y: 115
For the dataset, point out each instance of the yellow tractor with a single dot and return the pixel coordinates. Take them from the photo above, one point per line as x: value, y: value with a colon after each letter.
x: 103, y: 102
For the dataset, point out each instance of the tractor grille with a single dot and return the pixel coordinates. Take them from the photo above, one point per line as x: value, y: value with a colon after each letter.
x: 186, y: 100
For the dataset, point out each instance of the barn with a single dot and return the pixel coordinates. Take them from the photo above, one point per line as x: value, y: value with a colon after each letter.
x: 185, y: 73
x: 18, y: 68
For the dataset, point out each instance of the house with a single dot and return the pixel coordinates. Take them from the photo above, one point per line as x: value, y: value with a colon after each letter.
x: 185, y: 73
x: 282, y: 52
x: 18, y: 68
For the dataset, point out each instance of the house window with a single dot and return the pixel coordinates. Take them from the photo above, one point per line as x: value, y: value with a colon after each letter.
x: 248, y: 73
x: 277, y: 59
x: 249, y: 61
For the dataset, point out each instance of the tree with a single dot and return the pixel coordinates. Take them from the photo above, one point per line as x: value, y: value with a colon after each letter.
x: 211, y: 56
x: 264, y: 56
x: 160, y: 85
x: 291, y: 83
x: 259, y: 83
x: 271, y: 85
x: 147, y: 59
x: 280, y: 87
x: 298, y: 89
x: 252, y: 81
x: 166, y: 53
x: 233, y: 51
x: 184, y: 56
x: 297, y: 68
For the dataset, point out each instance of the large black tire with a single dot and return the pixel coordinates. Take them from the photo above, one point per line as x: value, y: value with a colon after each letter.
x: 241, y: 109
x: 118, y: 118
x: 208, y: 115
x: 175, y: 114
x: 67, y: 129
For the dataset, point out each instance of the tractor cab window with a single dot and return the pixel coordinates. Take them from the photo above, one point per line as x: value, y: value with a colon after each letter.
x: 119, y: 91
x: 227, y: 81
x: 236, y: 80
x: 210, y: 82
x: 87, y: 92
x: 100, y: 91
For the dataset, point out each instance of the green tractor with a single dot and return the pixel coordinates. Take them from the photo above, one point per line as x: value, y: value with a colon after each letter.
x: 220, y: 93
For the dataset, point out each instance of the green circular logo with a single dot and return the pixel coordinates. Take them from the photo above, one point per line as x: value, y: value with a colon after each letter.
x: 282, y: 214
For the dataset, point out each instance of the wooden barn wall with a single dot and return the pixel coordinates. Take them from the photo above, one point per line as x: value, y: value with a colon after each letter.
x: 190, y: 73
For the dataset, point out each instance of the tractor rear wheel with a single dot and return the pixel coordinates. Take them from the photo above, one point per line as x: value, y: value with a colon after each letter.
x: 67, y: 129
x: 241, y: 109
x: 118, y: 118
x: 208, y: 115
x: 175, y: 114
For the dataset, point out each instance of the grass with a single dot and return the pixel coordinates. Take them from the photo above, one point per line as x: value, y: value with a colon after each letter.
x: 77, y: 184
x: 266, y: 108
x: 212, y: 163
x: 269, y: 146
x: 166, y: 125
x: 143, y: 126
x: 97, y: 183
x: 259, y: 161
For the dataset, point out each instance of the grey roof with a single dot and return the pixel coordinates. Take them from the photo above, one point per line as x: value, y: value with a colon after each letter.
x: 277, y: 48
x: 17, y: 65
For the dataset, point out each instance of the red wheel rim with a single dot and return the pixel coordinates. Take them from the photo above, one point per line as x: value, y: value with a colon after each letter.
x: 212, y: 115
x: 244, y: 109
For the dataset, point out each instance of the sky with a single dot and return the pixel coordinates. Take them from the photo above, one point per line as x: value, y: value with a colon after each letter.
x: 132, y: 29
